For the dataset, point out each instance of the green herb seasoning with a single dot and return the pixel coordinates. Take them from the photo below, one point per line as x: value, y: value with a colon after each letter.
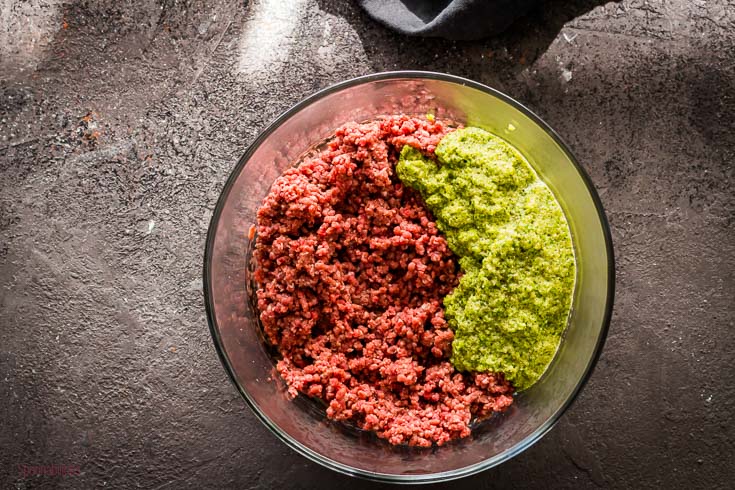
x: 511, y: 305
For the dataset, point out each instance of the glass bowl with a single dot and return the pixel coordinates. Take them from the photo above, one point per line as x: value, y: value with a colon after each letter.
x: 232, y: 315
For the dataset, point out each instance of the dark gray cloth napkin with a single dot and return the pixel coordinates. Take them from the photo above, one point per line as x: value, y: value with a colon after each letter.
x: 451, y: 19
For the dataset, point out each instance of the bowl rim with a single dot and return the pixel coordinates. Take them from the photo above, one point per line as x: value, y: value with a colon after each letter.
x: 524, y: 444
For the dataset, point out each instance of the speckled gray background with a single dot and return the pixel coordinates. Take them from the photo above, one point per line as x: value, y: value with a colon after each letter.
x: 120, y: 121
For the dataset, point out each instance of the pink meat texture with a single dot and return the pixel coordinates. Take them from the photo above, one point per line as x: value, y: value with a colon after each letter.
x: 351, y: 272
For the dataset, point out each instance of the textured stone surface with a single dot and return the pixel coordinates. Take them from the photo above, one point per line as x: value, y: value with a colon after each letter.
x: 120, y: 121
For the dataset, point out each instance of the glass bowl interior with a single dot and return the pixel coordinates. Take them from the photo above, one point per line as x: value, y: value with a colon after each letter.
x: 233, y: 318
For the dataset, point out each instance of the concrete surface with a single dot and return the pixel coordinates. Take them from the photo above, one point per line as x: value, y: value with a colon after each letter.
x: 120, y: 121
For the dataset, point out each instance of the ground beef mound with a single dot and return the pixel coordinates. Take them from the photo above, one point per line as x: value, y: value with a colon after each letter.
x: 351, y: 272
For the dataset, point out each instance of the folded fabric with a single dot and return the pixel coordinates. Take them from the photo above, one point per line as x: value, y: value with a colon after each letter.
x: 451, y: 19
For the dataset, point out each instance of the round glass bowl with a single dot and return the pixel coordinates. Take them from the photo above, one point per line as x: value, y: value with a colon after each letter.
x: 233, y: 317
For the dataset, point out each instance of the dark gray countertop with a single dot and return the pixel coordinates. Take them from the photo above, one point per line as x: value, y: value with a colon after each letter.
x: 122, y: 120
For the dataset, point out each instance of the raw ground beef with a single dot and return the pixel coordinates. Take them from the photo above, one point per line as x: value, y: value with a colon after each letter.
x: 351, y: 273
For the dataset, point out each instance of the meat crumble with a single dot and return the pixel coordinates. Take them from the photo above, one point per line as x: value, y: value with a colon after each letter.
x: 351, y: 273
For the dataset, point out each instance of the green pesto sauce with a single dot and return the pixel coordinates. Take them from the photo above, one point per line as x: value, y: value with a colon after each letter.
x: 511, y: 305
